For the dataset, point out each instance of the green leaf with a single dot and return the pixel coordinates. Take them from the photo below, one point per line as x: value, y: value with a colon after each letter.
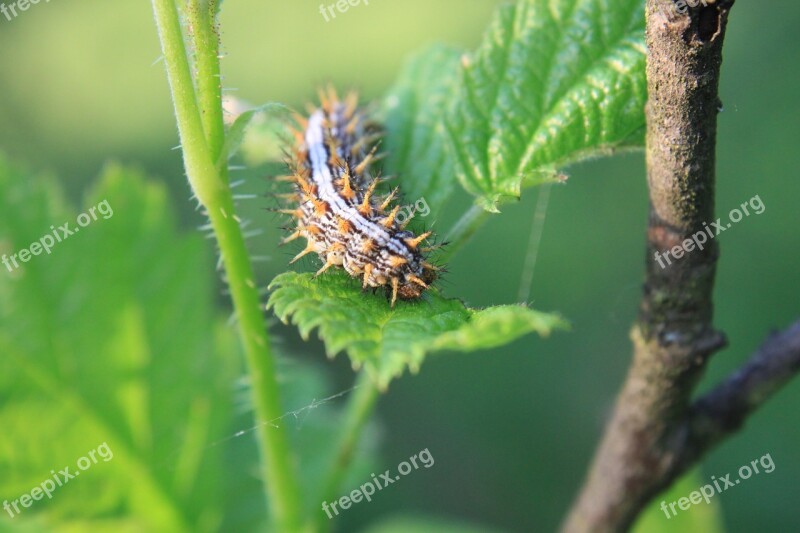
x: 705, y: 517
x: 552, y: 83
x: 413, y: 113
x: 110, y: 338
x: 386, y: 341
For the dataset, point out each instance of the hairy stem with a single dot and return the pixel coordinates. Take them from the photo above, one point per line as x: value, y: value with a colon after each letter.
x: 200, y: 170
x: 214, y: 194
x: 205, y: 39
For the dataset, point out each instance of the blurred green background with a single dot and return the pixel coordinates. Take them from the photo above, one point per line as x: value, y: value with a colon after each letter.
x: 512, y: 430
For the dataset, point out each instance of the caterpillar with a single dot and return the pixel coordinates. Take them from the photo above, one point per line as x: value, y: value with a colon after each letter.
x: 339, y: 214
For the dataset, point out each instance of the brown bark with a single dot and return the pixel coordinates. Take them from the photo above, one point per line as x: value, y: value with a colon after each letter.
x: 655, y: 432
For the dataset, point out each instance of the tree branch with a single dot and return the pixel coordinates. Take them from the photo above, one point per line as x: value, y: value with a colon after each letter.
x: 725, y: 409
x: 655, y: 433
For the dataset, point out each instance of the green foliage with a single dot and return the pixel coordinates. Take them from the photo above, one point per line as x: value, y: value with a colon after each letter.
x: 386, y: 341
x: 551, y: 84
x: 414, y: 112
x: 107, y: 339
x: 112, y: 326
x: 110, y: 343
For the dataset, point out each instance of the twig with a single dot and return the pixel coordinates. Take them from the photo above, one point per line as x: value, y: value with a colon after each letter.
x: 655, y: 433
x: 723, y: 410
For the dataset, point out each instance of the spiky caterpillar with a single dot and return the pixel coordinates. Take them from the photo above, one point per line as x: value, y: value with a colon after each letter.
x: 339, y: 214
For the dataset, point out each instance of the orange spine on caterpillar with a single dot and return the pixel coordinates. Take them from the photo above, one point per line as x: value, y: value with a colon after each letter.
x: 339, y: 214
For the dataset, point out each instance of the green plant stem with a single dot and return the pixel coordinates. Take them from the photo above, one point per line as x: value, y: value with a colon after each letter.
x: 466, y: 226
x: 357, y: 413
x: 215, y: 195
x: 200, y: 171
x: 202, y: 17
x: 277, y: 461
